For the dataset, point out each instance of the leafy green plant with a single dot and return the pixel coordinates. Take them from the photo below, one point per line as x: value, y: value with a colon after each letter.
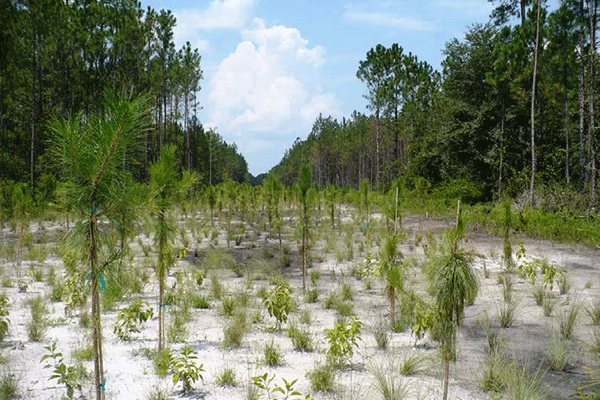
x: 64, y: 374
x: 185, y: 369
x: 342, y: 339
x: 532, y: 269
x: 278, y: 303
x: 130, y: 319
x: 271, y: 391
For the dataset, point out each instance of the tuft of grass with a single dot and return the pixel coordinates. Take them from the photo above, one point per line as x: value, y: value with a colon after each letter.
x: 507, y: 289
x: 322, y: 378
x: 566, y: 321
x: 564, y: 283
x: 493, y: 369
x: 523, y: 383
x: 306, y: 316
x: 216, y: 287
x: 83, y: 353
x: 273, y: 356
x: 312, y: 295
x: 507, y: 314
x: 548, y: 304
x: 345, y: 308
x: 158, y: 393
x: 388, y: 383
x: 162, y: 362
x: 236, y: 330
x: 382, y: 337
x: 200, y: 301
x: 228, y: 306
x: 557, y: 354
x: 177, y: 331
x: 37, y: 325
x: 347, y: 292
x: 539, y: 294
x: 593, y: 311
x: 226, y: 377
x: 10, y: 387
x: 413, y: 363
x: 301, y: 338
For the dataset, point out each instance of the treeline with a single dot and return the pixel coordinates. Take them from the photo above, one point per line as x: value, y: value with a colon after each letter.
x: 61, y: 58
x: 512, y: 111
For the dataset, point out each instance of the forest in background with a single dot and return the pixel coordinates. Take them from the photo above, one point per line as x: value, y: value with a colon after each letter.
x: 60, y: 58
x: 512, y: 113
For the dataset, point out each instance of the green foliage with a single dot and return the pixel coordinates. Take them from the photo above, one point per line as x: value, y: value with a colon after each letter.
x: 185, y: 369
x: 271, y: 391
x: 387, y: 382
x: 532, y: 269
x: 226, y: 378
x: 273, y: 356
x: 322, y: 378
x: 342, y: 338
x: 4, y: 313
x: 301, y: 338
x: 236, y: 329
x: 9, y: 386
x: 566, y: 321
x: 63, y: 373
x: 130, y: 319
x: 278, y: 303
x: 37, y: 325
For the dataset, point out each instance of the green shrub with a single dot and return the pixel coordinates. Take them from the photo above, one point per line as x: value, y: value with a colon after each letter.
x: 130, y: 319
x: 200, y: 301
x: 4, y: 313
x: 162, y: 362
x: 342, y: 338
x: 185, y: 369
x: 322, y: 378
x: 278, y: 303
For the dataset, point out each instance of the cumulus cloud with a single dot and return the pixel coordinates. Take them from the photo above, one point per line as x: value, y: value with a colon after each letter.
x: 266, y: 91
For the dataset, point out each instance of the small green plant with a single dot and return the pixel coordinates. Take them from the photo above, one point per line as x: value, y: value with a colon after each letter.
x: 38, y: 323
x: 494, y: 368
x: 548, y: 304
x: 185, y: 369
x: 83, y: 353
x: 273, y: 356
x: 322, y: 378
x: 200, y: 301
x: 413, y: 364
x: 236, y: 330
x: 507, y: 289
x: 177, y: 331
x: 162, y: 362
x: 539, y: 293
x: 593, y: 311
x: 64, y: 374
x: 387, y: 382
x: 564, y: 283
x: 382, y: 337
x: 130, y: 319
x: 531, y: 269
x: 228, y: 306
x: 347, y: 292
x: 566, y: 321
x: 271, y: 391
x: 342, y: 339
x: 226, y: 377
x: 4, y: 313
x: 507, y: 314
x: 557, y: 354
x: 312, y: 295
x: 301, y: 338
x: 278, y: 303
x: 216, y: 287
x: 9, y: 386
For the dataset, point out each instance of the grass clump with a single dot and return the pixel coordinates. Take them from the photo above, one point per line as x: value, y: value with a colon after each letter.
x: 322, y: 378
x: 273, y: 356
x: 382, y: 337
x: 301, y: 338
x: 226, y: 378
x: 235, y: 331
x: 557, y: 354
x: 37, y: 325
x: 9, y: 386
x: 507, y: 314
x: 593, y: 311
x: 566, y: 321
x: 387, y: 382
x: 413, y: 364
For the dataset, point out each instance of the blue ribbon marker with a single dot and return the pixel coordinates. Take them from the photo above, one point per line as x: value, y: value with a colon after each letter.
x: 102, y: 281
x: 102, y: 386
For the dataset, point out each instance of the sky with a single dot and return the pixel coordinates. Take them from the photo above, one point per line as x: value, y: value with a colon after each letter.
x: 272, y: 66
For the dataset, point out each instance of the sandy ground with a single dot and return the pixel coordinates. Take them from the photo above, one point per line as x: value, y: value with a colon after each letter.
x: 130, y: 374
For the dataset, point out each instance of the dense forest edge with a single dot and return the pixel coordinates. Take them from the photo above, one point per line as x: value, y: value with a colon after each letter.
x: 511, y: 114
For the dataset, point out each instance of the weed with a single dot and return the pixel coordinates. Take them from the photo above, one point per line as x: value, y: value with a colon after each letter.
x: 216, y: 287
x: 236, y: 330
x: 4, y: 313
x: 200, y: 301
x: 83, y: 353
x: 322, y: 378
x: 413, y: 363
x: 228, y: 306
x: 158, y: 393
x: 347, y: 292
x: 9, y: 386
x: 273, y: 356
x: 56, y: 293
x: 507, y: 314
x: 564, y: 283
x: 301, y: 338
x: 493, y: 372
x: 539, y: 293
x: 306, y: 316
x: 38, y: 323
x: 130, y: 319
x: 312, y: 295
x: 177, y: 331
x: 507, y: 289
x: 566, y: 321
x: 557, y: 354
x: 162, y: 362
x: 342, y: 338
x: 226, y: 377
x: 387, y: 383
x: 548, y: 305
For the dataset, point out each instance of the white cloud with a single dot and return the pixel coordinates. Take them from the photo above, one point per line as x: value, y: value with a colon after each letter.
x: 266, y: 90
x: 220, y: 14
x: 385, y: 19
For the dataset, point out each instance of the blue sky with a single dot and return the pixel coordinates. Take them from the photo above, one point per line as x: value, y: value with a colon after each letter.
x: 270, y: 67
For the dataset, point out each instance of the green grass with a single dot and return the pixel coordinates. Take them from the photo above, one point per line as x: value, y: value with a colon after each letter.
x: 301, y: 338
x: 272, y: 354
x: 226, y: 377
x: 322, y: 378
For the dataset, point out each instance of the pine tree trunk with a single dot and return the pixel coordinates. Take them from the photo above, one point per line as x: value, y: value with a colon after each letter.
x: 96, y: 311
x: 592, y: 127
x: 582, y: 173
x: 161, y: 279
x: 533, y: 90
